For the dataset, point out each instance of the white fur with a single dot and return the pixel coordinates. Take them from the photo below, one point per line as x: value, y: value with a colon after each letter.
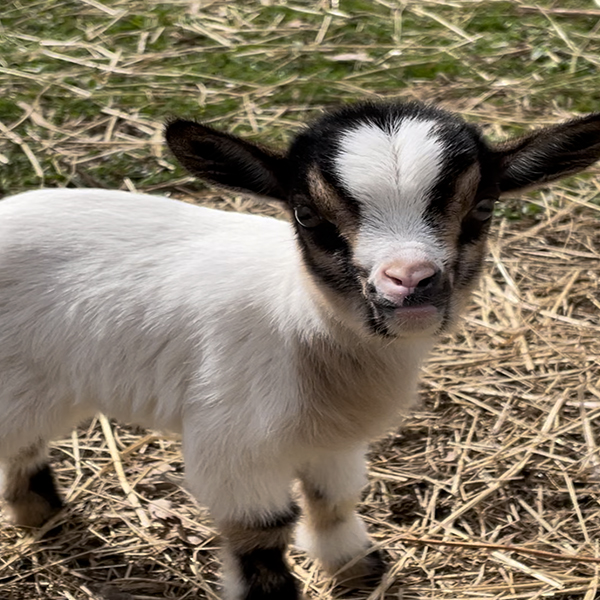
x: 174, y: 317
x: 233, y: 585
x: 340, y: 477
x: 391, y: 169
x: 343, y: 542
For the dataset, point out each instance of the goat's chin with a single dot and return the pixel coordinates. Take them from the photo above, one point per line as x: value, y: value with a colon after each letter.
x: 415, y: 321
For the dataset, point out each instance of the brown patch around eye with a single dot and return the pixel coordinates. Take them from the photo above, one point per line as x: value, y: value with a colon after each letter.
x: 331, y: 206
x: 459, y: 205
x: 466, y: 186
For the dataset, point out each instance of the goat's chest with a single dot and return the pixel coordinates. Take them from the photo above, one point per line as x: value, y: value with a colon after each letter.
x: 353, y: 397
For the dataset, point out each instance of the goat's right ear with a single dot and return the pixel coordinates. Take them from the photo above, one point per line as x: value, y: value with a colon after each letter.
x: 227, y: 160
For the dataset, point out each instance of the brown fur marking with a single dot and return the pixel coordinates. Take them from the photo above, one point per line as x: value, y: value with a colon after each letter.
x: 29, y: 493
x: 321, y: 513
x: 461, y: 202
x: 332, y: 206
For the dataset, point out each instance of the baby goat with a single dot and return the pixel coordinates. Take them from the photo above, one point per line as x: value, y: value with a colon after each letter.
x: 278, y: 349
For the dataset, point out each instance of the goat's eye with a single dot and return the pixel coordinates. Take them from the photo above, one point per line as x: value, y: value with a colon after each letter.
x: 307, y: 217
x: 484, y: 209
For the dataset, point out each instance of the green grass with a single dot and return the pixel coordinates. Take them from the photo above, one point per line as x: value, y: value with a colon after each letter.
x: 262, y: 68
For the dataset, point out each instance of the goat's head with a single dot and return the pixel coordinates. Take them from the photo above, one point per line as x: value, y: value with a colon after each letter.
x: 392, y: 202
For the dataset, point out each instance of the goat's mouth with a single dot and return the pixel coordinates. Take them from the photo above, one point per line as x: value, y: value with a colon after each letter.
x: 422, y: 311
x: 392, y: 320
x: 413, y: 316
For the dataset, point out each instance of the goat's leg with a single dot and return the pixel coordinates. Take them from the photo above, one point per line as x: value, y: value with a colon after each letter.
x: 332, y: 531
x: 254, y: 557
x: 249, y: 499
x: 27, y: 486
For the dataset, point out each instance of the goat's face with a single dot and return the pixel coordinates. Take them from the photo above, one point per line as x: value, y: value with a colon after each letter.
x: 391, y: 202
x: 392, y: 211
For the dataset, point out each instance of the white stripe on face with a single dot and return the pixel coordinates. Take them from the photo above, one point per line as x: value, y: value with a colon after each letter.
x: 390, y: 172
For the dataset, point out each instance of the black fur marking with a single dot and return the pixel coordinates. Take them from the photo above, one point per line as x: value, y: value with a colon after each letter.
x: 550, y: 153
x: 472, y: 230
x: 327, y: 237
x: 320, y: 145
x: 374, y: 567
x: 328, y: 257
x: 468, y: 272
x: 461, y: 152
x: 320, y: 141
x: 267, y: 576
x: 376, y: 322
x: 42, y: 484
x: 284, y: 519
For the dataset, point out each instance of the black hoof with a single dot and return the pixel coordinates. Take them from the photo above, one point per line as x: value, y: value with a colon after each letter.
x: 366, y: 573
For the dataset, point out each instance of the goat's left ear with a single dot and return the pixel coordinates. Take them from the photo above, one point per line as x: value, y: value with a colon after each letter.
x: 227, y: 160
x: 549, y: 153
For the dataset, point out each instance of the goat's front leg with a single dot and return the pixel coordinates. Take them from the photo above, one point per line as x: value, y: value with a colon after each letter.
x: 254, y: 565
x: 249, y: 499
x: 332, y: 531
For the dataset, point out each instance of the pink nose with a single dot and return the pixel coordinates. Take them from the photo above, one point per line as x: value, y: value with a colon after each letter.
x: 400, y: 279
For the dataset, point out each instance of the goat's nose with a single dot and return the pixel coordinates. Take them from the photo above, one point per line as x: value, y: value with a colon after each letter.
x: 410, y: 275
x: 399, y: 280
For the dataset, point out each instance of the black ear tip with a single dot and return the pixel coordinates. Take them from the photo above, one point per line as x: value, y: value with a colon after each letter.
x: 592, y: 117
x: 176, y: 128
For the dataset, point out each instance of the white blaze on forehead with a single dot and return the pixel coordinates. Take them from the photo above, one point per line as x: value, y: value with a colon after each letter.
x: 390, y: 172
x: 391, y: 167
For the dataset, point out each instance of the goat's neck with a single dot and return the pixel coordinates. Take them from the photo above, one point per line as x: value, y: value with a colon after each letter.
x: 354, y: 385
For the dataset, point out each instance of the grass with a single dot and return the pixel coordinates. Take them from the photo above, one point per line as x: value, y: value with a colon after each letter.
x: 504, y: 452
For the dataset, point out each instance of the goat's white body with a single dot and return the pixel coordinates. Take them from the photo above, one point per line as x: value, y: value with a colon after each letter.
x: 179, y: 318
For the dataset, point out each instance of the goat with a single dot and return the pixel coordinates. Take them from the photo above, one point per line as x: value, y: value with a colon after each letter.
x: 278, y: 349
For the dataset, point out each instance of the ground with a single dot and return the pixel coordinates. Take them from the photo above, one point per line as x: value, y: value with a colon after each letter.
x: 501, y: 462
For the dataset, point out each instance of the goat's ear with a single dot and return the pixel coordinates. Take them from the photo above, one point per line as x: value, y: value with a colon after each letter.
x: 549, y: 153
x: 227, y: 160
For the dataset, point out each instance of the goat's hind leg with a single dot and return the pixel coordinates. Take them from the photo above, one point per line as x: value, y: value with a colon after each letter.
x: 27, y: 486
